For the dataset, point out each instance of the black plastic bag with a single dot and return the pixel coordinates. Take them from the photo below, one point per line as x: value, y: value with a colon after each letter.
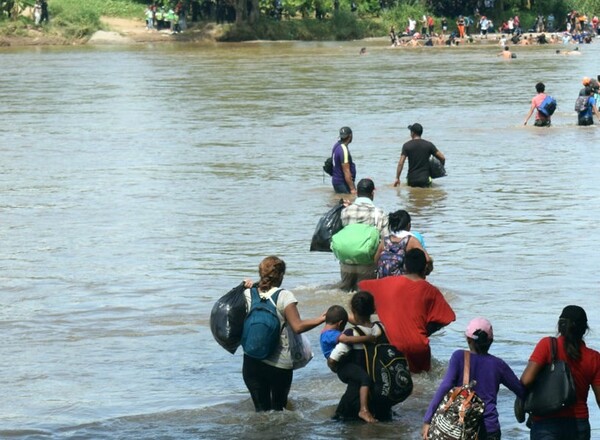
x: 436, y: 169
x: 328, y: 225
x: 227, y: 318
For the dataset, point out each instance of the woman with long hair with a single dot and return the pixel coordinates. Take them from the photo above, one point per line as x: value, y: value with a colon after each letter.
x: 269, y: 380
x: 487, y: 370
x: 571, y: 422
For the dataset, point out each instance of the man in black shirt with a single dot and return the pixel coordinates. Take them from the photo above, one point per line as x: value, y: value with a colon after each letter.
x: 418, y: 151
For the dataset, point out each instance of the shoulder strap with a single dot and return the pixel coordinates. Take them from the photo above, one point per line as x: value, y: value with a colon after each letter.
x: 553, y: 349
x: 358, y: 329
x: 467, y: 368
x: 254, y: 296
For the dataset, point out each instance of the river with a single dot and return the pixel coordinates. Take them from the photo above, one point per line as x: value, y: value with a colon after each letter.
x: 140, y: 183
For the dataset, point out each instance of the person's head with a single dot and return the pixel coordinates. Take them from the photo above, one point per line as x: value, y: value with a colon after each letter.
x: 540, y: 87
x: 480, y: 335
x: 365, y: 188
x: 587, y: 90
x: 506, y: 48
x: 336, y: 315
x: 271, y: 271
x: 586, y: 81
x: 362, y: 304
x: 399, y: 221
x: 415, y: 262
x: 416, y: 129
x: 573, y: 325
x: 345, y: 134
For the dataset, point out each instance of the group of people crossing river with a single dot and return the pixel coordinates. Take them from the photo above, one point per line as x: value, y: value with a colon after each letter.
x: 392, y: 302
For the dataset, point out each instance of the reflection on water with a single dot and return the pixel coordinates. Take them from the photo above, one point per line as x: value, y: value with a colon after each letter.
x: 140, y: 184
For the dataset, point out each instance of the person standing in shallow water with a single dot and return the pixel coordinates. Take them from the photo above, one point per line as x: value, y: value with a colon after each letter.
x: 417, y: 151
x: 536, y: 101
x: 344, y: 169
x: 269, y: 380
x: 573, y: 421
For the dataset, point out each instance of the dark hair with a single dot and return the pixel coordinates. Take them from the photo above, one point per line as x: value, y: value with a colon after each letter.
x: 505, y: 47
x: 482, y: 343
x: 271, y: 271
x: 572, y: 324
x: 415, y: 261
x: 540, y: 87
x: 363, y: 304
x: 336, y: 314
x: 588, y: 90
x: 399, y: 220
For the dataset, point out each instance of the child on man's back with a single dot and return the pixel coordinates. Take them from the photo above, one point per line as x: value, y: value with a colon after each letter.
x: 335, y: 322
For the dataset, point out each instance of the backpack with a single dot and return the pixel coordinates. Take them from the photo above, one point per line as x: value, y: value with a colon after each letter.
x: 436, y: 169
x: 460, y: 413
x: 328, y: 166
x: 548, y: 106
x: 581, y: 103
x: 388, y: 369
x: 391, y: 260
x: 262, y: 328
x: 355, y: 244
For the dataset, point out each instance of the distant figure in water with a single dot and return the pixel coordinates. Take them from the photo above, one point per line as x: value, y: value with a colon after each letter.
x: 363, y: 51
x: 506, y: 53
x: 568, y: 52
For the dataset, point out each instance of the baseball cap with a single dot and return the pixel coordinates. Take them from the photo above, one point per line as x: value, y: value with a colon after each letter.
x: 365, y: 186
x: 481, y: 324
x: 416, y: 128
x: 345, y: 132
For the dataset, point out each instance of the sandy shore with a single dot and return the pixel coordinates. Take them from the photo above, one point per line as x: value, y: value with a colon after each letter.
x: 118, y: 31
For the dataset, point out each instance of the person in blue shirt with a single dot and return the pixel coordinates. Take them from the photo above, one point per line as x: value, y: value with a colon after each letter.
x: 336, y: 319
x: 344, y: 170
x: 586, y: 117
x: 487, y: 370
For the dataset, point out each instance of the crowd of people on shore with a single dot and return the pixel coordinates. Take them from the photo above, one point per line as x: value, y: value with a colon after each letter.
x: 577, y: 29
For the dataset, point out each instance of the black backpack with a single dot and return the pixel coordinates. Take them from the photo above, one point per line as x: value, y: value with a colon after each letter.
x: 388, y: 370
x: 328, y: 166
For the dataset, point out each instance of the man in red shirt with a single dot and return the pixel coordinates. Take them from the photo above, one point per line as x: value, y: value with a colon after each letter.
x: 540, y: 119
x: 411, y: 309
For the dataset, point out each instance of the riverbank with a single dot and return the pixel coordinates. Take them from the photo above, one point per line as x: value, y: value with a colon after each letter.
x: 116, y: 31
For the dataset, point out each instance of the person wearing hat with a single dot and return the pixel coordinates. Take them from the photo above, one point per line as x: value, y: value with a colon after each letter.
x: 417, y: 151
x: 344, y: 170
x: 572, y: 421
x: 364, y: 211
x: 487, y: 370
x: 586, y: 116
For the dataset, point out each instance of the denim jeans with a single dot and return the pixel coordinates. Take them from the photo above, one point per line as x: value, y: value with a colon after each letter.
x: 584, y: 431
x: 554, y: 429
x: 341, y: 188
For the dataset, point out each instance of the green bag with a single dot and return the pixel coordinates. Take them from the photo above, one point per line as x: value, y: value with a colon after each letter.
x: 355, y: 244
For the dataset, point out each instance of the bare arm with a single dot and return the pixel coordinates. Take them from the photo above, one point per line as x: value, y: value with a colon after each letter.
x: 596, y: 112
x: 299, y: 325
x: 531, y: 371
x: 399, y: 169
x: 356, y: 339
x: 529, y: 114
x: 348, y: 177
x: 441, y: 157
x: 378, y: 251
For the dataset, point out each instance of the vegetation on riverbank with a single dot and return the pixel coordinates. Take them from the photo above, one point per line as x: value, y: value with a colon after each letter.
x: 75, y: 20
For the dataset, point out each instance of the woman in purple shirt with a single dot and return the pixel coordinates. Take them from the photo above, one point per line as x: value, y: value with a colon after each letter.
x: 489, y: 371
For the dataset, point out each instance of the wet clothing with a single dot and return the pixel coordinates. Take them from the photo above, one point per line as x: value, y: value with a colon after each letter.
x: 586, y: 117
x: 354, y: 373
x: 340, y: 154
x: 407, y: 309
x: 269, y: 380
x: 418, y: 151
x: 489, y: 372
x: 361, y: 211
x: 540, y: 119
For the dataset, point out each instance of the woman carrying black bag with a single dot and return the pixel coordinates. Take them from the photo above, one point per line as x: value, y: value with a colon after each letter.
x: 571, y: 422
